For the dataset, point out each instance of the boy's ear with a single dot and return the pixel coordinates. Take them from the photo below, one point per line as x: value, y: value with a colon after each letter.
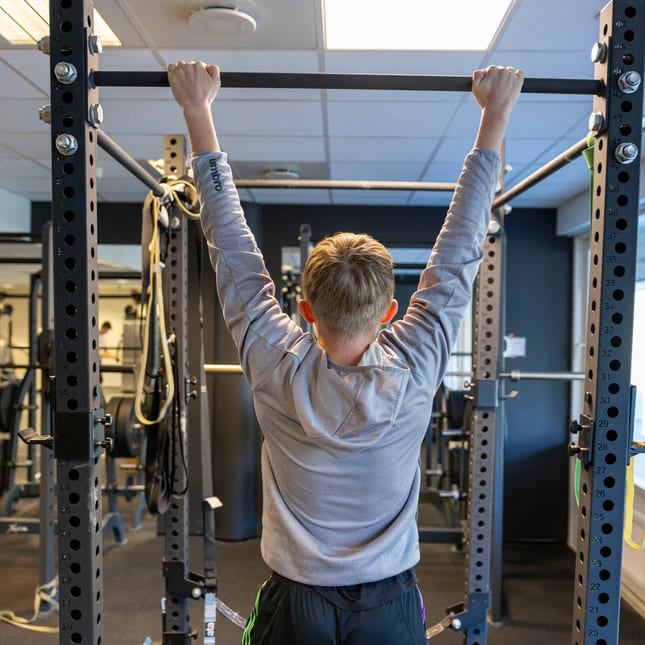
x: 305, y: 311
x: 390, y: 313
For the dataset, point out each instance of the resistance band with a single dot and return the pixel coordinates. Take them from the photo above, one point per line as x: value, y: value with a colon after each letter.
x: 46, y: 593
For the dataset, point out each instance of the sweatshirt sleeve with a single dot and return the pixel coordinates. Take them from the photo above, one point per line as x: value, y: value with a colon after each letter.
x: 262, y: 332
x: 427, y: 333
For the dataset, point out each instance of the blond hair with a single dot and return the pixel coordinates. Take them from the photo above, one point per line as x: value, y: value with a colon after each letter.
x: 348, y: 282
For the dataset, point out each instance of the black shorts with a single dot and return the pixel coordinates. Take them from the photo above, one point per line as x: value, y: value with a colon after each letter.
x: 387, y: 612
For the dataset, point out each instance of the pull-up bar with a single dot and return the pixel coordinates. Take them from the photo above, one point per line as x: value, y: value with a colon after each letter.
x: 325, y: 81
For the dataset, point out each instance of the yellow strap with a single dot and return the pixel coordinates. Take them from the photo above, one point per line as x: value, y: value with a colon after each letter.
x: 629, y: 507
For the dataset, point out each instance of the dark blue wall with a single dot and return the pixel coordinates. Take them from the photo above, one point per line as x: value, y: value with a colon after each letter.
x: 539, y: 308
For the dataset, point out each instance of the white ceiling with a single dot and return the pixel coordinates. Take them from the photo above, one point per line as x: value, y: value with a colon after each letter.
x: 370, y: 135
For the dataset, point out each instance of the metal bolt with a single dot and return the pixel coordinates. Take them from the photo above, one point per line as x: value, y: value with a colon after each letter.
x: 455, y: 623
x: 494, y: 227
x: 106, y: 443
x: 65, y: 73
x: 626, y: 152
x: 175, y: 222
x: 106, y: 420
x: 43, y: 45
x: 574, y: 427
x: 599, y: 53
x: 596, y: 121
x: 45, y: 113
x: 95, y: 44
x: 508, y: 209
x: 629, y: 82
x: 196, y: 593
x: 507, y: 168
x: 96, y: 114
x: 574, y: 449
x: 66, y: 144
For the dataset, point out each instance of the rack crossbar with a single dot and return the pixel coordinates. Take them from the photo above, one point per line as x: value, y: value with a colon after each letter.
x: 343, y: 184
x: 326, y: 81
x: 542, y: 173
x: 120, y: 155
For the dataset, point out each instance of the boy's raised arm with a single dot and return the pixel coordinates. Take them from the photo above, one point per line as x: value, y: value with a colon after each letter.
x: 496, y: 89
x: 194, y: 86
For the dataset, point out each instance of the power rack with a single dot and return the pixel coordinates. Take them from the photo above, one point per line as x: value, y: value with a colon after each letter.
x: 604, y: 432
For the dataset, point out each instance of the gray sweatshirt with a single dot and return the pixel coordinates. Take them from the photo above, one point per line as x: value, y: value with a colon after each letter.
x: 340, y: 457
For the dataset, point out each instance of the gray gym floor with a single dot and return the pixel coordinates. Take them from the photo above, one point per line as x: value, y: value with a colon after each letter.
x: 538, y: 583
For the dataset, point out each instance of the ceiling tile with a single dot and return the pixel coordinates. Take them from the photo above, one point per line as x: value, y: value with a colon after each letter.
x: 542, y: 63
x: 274, y: 149
x: 439, y: 171
x: 21, y: 168
x: 20, y: 115
x: 392, y: 149
x: 36, y: 146
x: 396, y: 62
x: 430, y: 199
x: 547, y: 25
x: 290, y: 23
x: 389, y: 119
x: 21, y: 86
x: 376, y: 171
x: 374, y: 197
x: 256, y: 170
x: 550, y: 120
x: 249, y: 60
x: 34, y: 67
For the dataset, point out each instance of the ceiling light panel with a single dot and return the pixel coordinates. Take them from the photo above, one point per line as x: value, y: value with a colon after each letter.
x: 413, y: 25
x: 25, y: 22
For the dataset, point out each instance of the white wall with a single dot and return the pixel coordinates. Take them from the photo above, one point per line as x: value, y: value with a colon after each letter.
x: 15, y: 212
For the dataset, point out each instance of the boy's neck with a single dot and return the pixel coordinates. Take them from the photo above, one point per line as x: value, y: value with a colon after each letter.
x: 345, y: 352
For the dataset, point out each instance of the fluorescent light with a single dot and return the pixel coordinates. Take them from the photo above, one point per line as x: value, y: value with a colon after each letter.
x: 413, y: 24
x: 108, y: 37
x: 25, y: 22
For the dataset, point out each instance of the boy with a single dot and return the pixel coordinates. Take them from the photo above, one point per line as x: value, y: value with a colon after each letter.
x: 343, y: 413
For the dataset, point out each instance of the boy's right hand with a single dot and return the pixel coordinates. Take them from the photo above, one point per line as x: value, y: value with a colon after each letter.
x: 194, y: 85
x: 497, y: 88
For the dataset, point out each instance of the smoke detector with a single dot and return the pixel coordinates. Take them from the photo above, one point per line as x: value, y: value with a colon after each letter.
x: 222, y: 20
x: 281, y: 173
